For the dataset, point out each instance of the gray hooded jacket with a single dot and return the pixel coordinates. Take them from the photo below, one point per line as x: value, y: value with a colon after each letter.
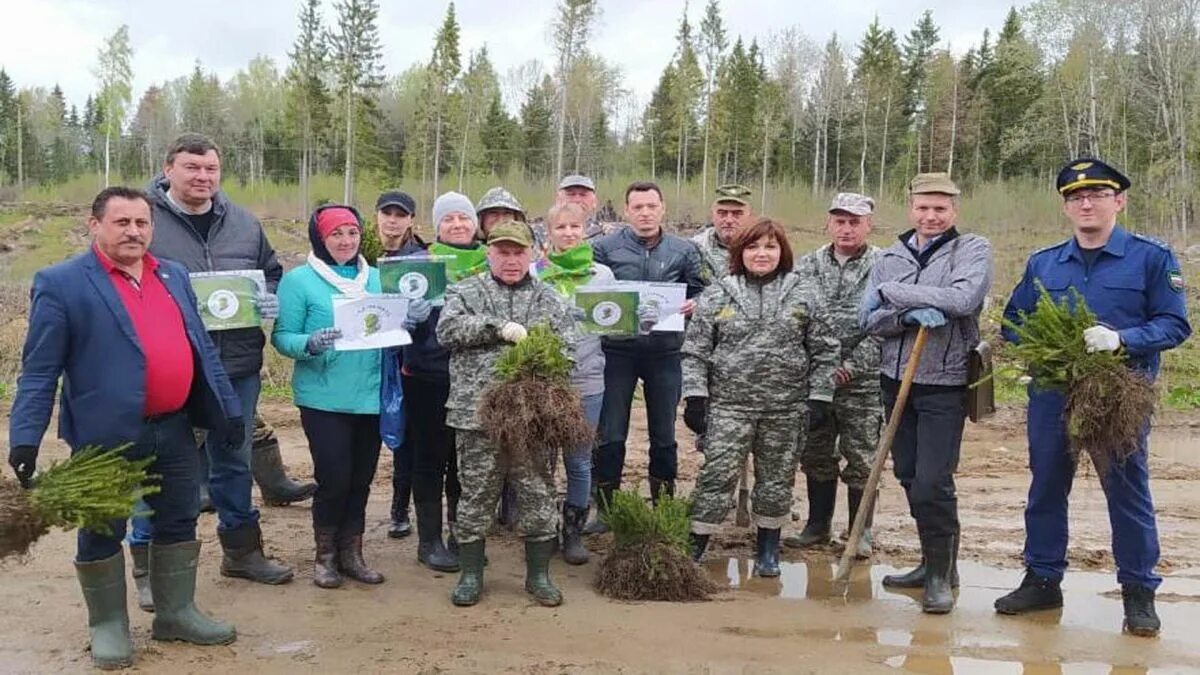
x: 953, y: 275
x: 236, y: 241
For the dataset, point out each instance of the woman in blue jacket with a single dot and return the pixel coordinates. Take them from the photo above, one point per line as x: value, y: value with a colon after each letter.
x: 337, y: 392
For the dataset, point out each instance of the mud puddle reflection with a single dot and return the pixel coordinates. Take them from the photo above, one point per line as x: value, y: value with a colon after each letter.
x: 1090, y: 605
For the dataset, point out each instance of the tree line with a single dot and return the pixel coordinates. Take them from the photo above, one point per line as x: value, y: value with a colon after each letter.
x: 1058, y: 79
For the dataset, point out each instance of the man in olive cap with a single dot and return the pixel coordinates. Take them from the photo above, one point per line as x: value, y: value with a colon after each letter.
x: 730, y: 213
x: 937, y: 279
x: 483, y: 315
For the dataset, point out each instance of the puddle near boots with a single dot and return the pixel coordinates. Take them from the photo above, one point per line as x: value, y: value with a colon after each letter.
x: 1089, y: 605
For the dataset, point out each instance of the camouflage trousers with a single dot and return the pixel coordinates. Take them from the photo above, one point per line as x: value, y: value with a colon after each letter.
x: 851, y: 433
x: 772, y: 439
x: 482, y: 469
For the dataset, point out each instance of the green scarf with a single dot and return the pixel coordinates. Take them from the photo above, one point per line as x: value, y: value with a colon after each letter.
x: 463, y: 263
x: 568, y: 270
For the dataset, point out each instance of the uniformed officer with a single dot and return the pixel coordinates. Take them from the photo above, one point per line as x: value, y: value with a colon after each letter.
x: 1134, y: 286
x: 730, y: 213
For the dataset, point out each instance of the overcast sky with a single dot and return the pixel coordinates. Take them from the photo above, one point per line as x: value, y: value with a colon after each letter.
x: 43, y: 42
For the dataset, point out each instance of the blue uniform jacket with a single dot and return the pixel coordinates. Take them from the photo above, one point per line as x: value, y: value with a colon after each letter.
x: 79, y: 329
x: 1134, y: 287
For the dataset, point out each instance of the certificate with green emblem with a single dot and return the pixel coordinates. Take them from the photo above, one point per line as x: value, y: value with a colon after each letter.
x: 414, y: 277
x: 226, y: 299
x: 370, y: 321
x: 607, y: 311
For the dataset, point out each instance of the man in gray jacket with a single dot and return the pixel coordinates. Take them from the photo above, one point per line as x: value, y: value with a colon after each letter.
x: 644, y: 252
x: 938, y: 279
x: 197, y: 226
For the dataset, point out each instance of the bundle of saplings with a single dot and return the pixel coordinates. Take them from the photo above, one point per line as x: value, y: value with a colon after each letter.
x: 531, y: 411
x: 1108, y: 404
x: 649, y: 557
x: 89, y: 490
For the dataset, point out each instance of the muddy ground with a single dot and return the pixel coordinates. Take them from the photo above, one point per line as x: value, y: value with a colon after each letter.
x: 799, y: 623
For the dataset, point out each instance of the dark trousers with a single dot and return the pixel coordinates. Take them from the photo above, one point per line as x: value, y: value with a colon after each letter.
x: 925, y: 452
x: 434, y: 462
x: 169, y: 438
x: 1126, y: 488
x: 345, y: 452
x: 662, y: 385
x: 402, y: 467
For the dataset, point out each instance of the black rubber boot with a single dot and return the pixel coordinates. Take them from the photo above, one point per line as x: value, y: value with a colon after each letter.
x: 400, y: 526
x: 266, y: 464
x: 1140, y: 618
x: 325, y: 565
x: 915, y: 578
x: 939, y: 560
x: 822, y: 495
x: 470, y: 584
x: 699, y: 544
x: 660, y: 485
x: 103, y: 584
x: 603, y: 498
x: 244, y: 557
x: 537, y: 573
x: 140, y: 554
x: 573, y: 550
x: 1033, y: 595
x: 766, y: 556
x: 864, y: 548
x: 431, y: 552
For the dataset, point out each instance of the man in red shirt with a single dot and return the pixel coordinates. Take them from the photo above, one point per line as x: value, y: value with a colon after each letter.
x: 122, y: 330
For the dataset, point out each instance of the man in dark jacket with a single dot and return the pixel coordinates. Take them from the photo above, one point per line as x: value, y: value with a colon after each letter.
x: 198, y: 227
x: 122, y: 330
x: 644, y: 252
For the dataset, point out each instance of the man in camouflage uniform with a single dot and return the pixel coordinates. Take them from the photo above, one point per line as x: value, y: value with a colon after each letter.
x: 840, y: 270
x: 747, y: 341
x: 730, y: 212
x: 483, y: 315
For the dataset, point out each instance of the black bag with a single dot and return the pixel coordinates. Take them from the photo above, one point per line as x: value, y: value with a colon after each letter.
x: 981, y: 389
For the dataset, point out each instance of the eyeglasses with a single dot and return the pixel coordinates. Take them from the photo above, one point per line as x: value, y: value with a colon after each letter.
x: 1077, y: 198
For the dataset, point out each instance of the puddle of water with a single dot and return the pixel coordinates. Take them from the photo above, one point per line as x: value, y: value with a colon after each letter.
x: 957, y: 665
x: 1090, y: 602
x: 1175, y: 448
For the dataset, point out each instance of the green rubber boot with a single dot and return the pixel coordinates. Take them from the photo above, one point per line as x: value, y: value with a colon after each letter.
x: 103, y: 584
x: 537, y: 573
x: 173, y: 583
x: 140, y: 554
x: 470, y: 583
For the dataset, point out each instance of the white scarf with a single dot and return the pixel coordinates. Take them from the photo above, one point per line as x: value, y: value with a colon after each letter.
x: 355, y: 286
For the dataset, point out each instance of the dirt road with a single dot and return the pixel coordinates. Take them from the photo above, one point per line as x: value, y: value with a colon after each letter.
x: 799, y: 623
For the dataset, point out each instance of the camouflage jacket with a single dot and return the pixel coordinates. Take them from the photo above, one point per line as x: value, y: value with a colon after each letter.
x: 476, y: 308
x: 759, y: 347
x: 714, y: 257
x: 840, y: 289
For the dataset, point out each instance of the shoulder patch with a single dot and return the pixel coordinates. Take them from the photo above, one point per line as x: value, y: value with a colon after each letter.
x: 1052, y: 247
x: 1151, y: 240
x: 1175, y: 280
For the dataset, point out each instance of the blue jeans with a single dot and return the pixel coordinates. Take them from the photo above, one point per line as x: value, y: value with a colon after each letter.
x: 175, y: 508
x: 662, y: 384
x: 229, y: 479
x: 579, y: 463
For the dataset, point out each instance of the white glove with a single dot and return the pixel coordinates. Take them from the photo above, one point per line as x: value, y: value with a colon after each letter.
x: 513, y: 332
x: 1101, y: 339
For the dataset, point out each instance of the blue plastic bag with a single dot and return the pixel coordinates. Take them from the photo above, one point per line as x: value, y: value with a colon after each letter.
x: 391, y: 400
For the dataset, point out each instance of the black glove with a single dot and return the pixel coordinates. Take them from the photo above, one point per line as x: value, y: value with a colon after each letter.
x: 818, y: 414
x: 235, y: 434
x: 23, y: 460
x: 695, y: 414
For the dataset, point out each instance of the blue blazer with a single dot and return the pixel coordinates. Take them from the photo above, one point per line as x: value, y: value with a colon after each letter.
x: 79, y: 329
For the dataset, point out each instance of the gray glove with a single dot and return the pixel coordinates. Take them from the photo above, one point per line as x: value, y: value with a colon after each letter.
x: 418, y: 311
x: 648, y: 315
x: 268, y: 305
x: 321, y: 340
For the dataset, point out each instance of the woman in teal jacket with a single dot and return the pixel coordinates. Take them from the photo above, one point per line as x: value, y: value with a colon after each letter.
x: 337, y: 392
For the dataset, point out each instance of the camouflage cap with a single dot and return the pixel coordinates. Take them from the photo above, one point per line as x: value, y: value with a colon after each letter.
x: 852, y: 203
x: 577, y: 180
x: 932, y: 183
x: 733, y: 192
x: 512, y: 232
x: 499, y: 198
